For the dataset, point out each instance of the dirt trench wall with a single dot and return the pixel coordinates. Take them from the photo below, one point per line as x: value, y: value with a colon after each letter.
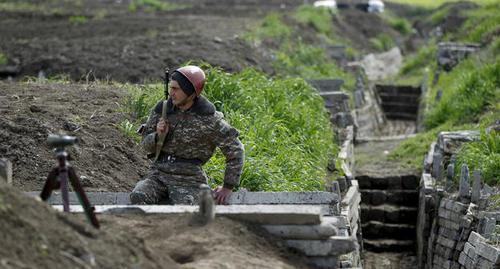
x: 454, y: 228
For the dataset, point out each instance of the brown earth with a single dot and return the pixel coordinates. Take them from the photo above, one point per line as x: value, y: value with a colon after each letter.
x: 114, y: 43
x: 105, y: 158
x: 35, y: 236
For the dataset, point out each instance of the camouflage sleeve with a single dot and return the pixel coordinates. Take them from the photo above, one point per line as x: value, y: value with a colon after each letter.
x: 149, y: 135
x: 233, y: 150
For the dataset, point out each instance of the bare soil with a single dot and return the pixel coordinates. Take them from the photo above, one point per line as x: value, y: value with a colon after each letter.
x: 112, y: 42
x: 35, y: 236
x: 105, y: 158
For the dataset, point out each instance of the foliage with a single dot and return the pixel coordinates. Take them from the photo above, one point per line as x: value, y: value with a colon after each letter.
x: 423, y: 58
x: 468, y: 91
x: 153, y: 5
x: 411, y: 152
x: 282, y: 122
x: 382, y: 42
x: 319, y: 18
x: 307, y: 61
x: 482, y: 155
x: 3, y: 59
x: 271, y: 27
x: 402, y: 25
x: 436, y: 3
x: 78, y: 19
x: 482, y: 24
x: 129, y: 129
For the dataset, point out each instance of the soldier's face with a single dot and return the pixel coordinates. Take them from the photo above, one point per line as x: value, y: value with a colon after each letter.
x: 179, y: 97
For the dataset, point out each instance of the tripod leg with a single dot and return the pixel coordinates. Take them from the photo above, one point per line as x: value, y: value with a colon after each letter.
x: 50, y: 184
x: 84, y: 201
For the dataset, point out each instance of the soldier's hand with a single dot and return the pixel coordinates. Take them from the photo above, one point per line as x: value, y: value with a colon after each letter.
x: 222, y: 194
x: 161, y: 127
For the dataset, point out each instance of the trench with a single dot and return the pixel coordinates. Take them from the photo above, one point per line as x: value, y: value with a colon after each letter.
x: 389, y: 192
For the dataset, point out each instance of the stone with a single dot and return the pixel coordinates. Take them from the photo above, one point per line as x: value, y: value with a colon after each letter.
x: 254, y: 198
x: 450, y: 142
x: 450, y: 173
x: 427, y: 183
x: 436, y: 165
x: 428, y: 158
x: 328, y: 262
x: 6, y: 171
x: 307, y: 232
x: 260, y: 214
x: 342, y: 119
x: 335, y: 245
x: 464, y: 187
x: 488, y: 252
x: 476, y: 187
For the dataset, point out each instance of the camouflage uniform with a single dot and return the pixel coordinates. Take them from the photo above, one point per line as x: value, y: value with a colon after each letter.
x: 192, y: 138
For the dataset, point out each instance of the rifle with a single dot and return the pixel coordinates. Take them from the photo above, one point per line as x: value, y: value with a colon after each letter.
x: 161, y: 137
x: 141, y: 128
x: 59, y: 175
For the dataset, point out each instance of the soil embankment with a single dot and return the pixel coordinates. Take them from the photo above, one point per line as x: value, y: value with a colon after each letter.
x: 35, y: 236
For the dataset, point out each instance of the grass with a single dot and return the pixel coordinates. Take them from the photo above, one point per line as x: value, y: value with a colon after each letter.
x: 319, y: 18
x: 402, y: 25
x: 436, y: 3
x: 307, y: 61
x: 282, y: 121
x: 78, y: 19
x: 294, y: 57
x: 469, y: 91
x: 153, y: 5
x: 483, y: 155
x: 3, y: 59
x: 482, y: 25
x: 382, y: 42
x: 271, y: 27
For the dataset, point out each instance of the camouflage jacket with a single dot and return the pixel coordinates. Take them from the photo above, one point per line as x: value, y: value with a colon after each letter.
x: 195, y: 134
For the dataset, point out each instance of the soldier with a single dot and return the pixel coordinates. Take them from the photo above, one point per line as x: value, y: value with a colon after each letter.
x: 193, y: 129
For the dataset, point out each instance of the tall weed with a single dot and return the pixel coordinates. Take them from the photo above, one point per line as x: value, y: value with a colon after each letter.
x: 482, y: 155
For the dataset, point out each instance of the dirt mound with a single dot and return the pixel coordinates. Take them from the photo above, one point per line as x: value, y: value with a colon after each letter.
x: 35, y: 236
x: 105, y: 158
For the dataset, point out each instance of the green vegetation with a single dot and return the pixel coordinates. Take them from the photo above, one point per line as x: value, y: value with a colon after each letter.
x: 296, y: 57
x: 483, y: 24
x: 307, y: 61
x: 382, y: 42
x: 399, y: 24
x: 283, y: 124
x: 468, y: 92
x: 153, y: 5
x: 3, y: 59
x: 436, y: 3
x: 272, y: 27
x: 78, y: 19
x: 319, y: 18
x: 483, y: 155
x: 469, y: 96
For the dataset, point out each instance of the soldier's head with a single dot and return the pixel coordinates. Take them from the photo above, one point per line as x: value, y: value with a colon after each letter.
x: 187, y: 83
